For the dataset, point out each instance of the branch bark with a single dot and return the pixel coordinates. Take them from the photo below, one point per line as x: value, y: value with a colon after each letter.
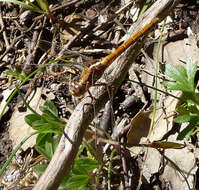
x: 83, y: 114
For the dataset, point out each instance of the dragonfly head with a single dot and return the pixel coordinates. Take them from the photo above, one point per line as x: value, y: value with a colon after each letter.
x: 77, y: 89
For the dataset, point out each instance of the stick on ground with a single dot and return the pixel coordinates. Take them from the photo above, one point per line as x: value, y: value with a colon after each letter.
x: 79, y: 120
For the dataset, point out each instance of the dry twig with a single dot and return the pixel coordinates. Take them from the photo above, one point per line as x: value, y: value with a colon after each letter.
x: 81, y: 118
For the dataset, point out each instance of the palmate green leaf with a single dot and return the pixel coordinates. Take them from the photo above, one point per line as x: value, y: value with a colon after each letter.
x: 78, y: 181
x: 174, y: 85
x: 31, y: 7
x: 48, y: 116
x: 183, y: 118
x: 48, y: 122
x: 84, y: 166
x: 57, y: 125
x: 45, y: 127
x: 191, y: 68
x: 49, y: 149
x: 192, y: 97
x: 46, y: 145
x: 187, y: 132
x: 175, y: 73
x: 178, y: 74
x: 49, y: 106
x: 42, y: 151
x: 31, y: 118
x: 42, y: 138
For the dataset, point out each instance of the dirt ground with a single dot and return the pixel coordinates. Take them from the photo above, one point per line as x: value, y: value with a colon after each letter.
x: 90, y: 30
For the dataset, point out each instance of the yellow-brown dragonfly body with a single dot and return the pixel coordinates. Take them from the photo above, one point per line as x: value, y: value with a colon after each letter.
x: 96, y: 68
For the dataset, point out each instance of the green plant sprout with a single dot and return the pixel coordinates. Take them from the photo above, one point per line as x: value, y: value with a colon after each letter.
x: 46, y: 125
x: 183, y: 80
x: 28, y: 5
x: 48, y: 121
x: 43, y: 7
x: 25, y: 78
x: 79, y: 175
x: 15, y: 151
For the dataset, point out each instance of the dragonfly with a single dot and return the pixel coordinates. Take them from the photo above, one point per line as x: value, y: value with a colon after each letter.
x: 97, y: 67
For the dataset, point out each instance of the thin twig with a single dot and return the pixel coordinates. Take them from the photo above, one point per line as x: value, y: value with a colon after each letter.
x: 4, y: 32
x: 14, y: 41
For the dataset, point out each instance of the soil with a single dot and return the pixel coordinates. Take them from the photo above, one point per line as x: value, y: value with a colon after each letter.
x: 33, y: 39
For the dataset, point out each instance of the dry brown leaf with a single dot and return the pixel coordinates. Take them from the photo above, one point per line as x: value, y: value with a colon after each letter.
x: 182, y: 50
x: 18, y: 128
x: 140, y: 125
x: 183, y: 158
x: 75, y: 22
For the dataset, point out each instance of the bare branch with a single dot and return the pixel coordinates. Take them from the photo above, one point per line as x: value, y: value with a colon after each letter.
x: 80, y: 119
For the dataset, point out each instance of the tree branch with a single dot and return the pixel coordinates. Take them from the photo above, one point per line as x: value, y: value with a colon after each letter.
x: 83, y: 114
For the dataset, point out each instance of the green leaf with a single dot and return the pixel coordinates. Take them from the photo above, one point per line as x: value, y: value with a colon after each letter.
x: 48, y: 105
x: 186, y: 133
x: 192, y: 97
x: 174, y: 73
x: 31, y: 118
x: 41, y: 168
x: 42, y: 151
x: 48, y: 122
x: 84, y: 165
x: 43, y: 4
x: 183, y: 118
x: 31, y: 7
x: 165, y: 145
x: 178, y: 74
x: 182, y: 109
x: 17, y: 75
x: 191, y: 72
x: 184, y: 81
x: 46, y: 145
x: 78, y: 181
x: 194, y: 118
x: 48, y: 116
x: 91, y: 150
x: 42, y: 138
x: 49, y: 149
x: 173, y: 85
x: 47, y: 126
x: 187, y: 109
x: 193, y: 109
x: 182, y: 70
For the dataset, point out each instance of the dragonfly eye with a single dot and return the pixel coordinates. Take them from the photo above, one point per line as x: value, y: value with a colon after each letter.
x: 77, y: 89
